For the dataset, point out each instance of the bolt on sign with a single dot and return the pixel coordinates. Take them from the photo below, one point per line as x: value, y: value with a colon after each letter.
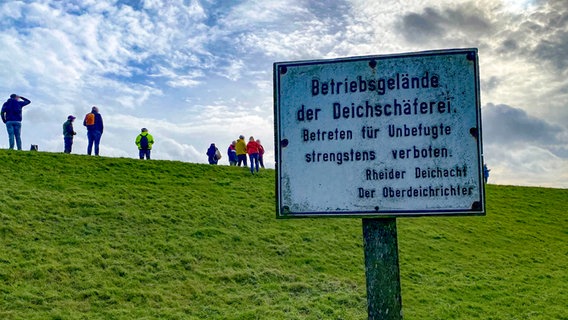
x: 387, y: 135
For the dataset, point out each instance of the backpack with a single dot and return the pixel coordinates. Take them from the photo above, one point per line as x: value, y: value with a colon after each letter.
x: 89, y: 119
x: 217, y: 154
x: 144, y: 142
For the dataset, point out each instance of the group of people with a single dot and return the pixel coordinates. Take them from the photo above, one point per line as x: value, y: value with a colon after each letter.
x: 94, y: 123
x: 237, y: 153
x: 11, y: 114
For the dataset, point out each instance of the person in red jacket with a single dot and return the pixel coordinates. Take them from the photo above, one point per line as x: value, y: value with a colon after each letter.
x: 253, y: 151
x: 260, y: 154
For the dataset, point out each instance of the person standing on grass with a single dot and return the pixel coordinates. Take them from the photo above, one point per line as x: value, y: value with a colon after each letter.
x: 260, y: 154
x: 213, y: 154
x: 12, y: 116
x: 68, y: 134
x: 241, y: 148
x: 252, y: 150
x: 232, y: 154
x: 94, y: 123
x: 144, y: 141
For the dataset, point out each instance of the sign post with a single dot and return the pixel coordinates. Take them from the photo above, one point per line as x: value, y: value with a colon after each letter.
x: 379, y: 137
x: 381, y: 269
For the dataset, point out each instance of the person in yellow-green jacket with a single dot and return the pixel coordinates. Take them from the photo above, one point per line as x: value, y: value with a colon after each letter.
x: 144, y: 141
x: 241, y: 148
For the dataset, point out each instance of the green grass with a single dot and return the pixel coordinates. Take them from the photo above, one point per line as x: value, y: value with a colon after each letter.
x: 110, y: 238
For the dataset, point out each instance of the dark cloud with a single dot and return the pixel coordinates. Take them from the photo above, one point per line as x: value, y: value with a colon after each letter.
x: 420, y: 27
x: 543, y: 37
x: 467, y: 17
x: 554, y: 49
x: 432, y: 24
x: 505, y: 125
x: 509, y: 45
x: 490, y: 84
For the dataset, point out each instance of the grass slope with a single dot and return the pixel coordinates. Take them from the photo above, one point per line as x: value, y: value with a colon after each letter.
x: 109, y: 238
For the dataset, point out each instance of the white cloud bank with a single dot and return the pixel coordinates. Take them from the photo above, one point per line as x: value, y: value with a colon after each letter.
x: 196, y: 72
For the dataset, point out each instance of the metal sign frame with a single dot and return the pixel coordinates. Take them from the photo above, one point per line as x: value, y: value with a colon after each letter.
x: 379, y: 136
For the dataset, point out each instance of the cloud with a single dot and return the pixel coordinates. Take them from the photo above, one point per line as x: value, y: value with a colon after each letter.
x: 530, y: 165
x: 537, y: 34
x: 453, y: 24
x: 504, y: 125
x: 521, y: 148
x: 196, y: 72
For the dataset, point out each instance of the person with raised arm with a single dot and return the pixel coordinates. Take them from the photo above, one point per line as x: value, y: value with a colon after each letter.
x: 12, y: 116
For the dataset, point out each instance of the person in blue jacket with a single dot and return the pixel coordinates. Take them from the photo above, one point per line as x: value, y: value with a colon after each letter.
x: 486, y: 173
x: 68, y: 133
x: 12, y: 116
x: 232, y: 153
x: 94, y: 123
x: 212, y: 154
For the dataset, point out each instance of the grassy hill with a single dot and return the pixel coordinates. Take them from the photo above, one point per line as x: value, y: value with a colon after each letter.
x: 109, y: 238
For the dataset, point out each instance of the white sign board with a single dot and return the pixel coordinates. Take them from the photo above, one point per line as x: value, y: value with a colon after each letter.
x: 389, y: 135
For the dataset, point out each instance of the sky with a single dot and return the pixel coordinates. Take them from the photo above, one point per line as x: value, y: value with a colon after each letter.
x: 200, y: 72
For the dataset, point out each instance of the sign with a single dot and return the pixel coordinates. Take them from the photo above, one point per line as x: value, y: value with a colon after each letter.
x: 371, y: 136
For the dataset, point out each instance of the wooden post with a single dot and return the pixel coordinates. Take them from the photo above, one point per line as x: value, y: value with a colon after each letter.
x: 381, y: 268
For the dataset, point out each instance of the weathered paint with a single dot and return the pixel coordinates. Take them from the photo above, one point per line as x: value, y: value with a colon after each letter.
x: 337, y: 155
